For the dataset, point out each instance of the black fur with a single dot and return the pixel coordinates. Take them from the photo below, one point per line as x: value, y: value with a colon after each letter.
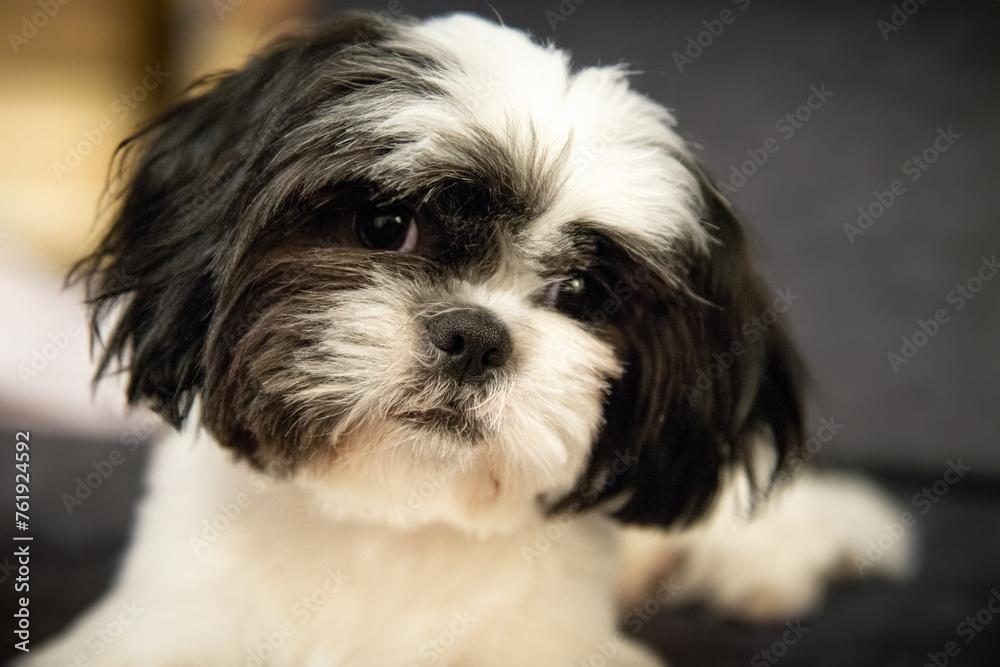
x: 666, y: 440
x: 164, y: 257
x: 209, y: 286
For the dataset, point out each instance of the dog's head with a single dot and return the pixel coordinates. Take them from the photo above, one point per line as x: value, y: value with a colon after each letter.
x: 434, y: 274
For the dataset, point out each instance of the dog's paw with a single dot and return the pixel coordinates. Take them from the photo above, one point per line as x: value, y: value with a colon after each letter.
x: 778, y: 564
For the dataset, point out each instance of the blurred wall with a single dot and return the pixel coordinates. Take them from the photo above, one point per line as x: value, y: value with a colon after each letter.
x: 79, y: 76
x: 64, y: 69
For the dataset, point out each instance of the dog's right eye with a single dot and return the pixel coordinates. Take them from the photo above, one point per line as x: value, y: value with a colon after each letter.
x: 386, y: 228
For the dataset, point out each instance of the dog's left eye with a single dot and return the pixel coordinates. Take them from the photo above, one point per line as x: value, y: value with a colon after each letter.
x: 567, y: 293
x: 587, y: 297
x: 386, y: 228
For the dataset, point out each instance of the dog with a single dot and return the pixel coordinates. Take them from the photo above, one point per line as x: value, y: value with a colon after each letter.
x: 457, y: 342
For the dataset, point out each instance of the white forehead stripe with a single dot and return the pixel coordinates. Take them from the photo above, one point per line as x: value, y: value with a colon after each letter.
x: 612, y: 147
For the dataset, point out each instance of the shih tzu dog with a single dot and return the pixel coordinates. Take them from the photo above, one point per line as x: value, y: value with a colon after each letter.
x: 451, y: 335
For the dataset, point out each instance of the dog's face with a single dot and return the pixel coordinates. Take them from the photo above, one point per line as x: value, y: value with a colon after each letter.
x: 399, y: 257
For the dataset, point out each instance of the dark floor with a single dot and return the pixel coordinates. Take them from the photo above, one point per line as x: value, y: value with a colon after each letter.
x: 875, y: 623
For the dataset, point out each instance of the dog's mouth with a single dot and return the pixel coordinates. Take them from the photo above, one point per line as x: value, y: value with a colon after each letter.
x: 450, y: 418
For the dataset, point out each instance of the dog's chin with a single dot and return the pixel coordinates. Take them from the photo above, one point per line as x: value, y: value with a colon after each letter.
x: 437, y: 466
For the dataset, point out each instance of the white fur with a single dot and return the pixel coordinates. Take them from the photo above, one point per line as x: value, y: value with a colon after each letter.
x: 209, y: 602
x: 774, y: 564
x: 539, y: 419
x: 381, y: 595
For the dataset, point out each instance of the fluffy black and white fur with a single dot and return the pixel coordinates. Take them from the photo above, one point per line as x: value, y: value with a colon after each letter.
x: 428, y: 310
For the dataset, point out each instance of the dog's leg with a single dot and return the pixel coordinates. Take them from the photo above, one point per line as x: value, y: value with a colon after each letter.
x: 778, y: 563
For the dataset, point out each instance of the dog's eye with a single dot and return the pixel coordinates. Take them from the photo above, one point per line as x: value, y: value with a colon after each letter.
x: 386, y: 228
x: 567, y: 294
x: 588, y: 297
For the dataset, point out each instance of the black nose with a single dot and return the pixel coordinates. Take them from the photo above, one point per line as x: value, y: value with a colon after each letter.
x: 474, y: 340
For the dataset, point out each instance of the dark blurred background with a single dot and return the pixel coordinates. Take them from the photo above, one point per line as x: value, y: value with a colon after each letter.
x: 899, y: 81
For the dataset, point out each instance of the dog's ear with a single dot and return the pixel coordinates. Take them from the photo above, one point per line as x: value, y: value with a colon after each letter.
x: 710, y: 374
x: 174, y: 194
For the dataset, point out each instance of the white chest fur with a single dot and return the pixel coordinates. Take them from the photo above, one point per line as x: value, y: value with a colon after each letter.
x: 230, y: 567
